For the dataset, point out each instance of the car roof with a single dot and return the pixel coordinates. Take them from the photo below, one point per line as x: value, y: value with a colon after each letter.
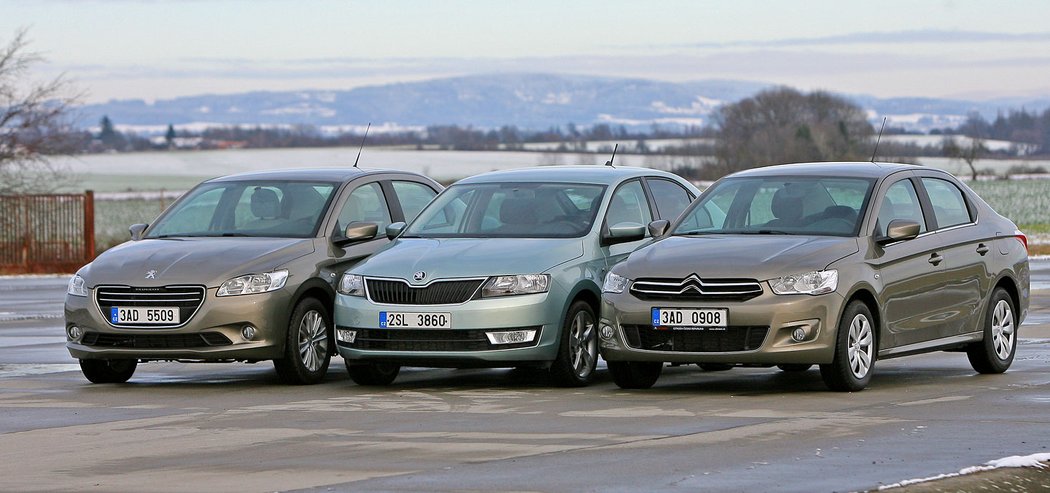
x: 318, y: 174
x: 597, y: 174
x: 861, y: 169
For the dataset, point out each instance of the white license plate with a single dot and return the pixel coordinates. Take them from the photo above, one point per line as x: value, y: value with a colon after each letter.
x: 144, y: 315
x: 686, y: 318
x: 404, y: 320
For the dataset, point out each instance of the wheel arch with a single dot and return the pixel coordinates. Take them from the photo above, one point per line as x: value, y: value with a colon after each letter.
x: 866, y: 295
x: 585, y: 291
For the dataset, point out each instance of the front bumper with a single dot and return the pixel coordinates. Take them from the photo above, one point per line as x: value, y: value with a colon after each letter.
x: 777, y: 315
x: 213, y: 333
x: 430, y: 347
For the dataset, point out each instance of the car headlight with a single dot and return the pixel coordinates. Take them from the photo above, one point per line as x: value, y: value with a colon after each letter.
x: 812, y: 283
x: 253, y: 283
x: 615, y: 283
x: 512, y: 285
x: 76, y: 286
x: 351, y: 285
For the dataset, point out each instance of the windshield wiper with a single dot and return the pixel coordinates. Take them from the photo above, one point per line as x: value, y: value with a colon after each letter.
x: 766, y: 232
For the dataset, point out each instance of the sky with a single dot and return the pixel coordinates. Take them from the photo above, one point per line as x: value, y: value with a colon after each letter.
x: 160, y: 49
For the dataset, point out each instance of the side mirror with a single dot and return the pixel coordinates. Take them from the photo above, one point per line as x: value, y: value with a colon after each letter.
x: 136, y: 231
x: 900, y: 230
x: 395, y: 229
x: 623, y: 233
x: 658, y: 227
x: 357, y: 231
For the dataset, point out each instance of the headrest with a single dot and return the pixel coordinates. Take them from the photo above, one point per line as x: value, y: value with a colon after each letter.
x: 265, y: 204
x: 518, y: 211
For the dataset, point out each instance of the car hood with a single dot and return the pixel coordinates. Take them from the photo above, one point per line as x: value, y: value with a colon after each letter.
x: 759, y: 257
x: 469, y: 257
x: 207, y: 261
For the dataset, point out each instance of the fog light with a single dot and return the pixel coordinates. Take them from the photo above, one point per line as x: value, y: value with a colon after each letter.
x: 511, y: 336
x: 798, y: 335
x: 248, y: 332
x: 74, y: 332
x: 606, y: 332
x: 347, y: 336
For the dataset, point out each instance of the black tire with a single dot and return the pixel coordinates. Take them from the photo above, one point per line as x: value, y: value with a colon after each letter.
x: 372, y: 374
x: 108, y: 370
x: 715, y: 366
x: 795, y: 367
x: 635, y: 374
x: 851, y: 371
x: 995, y: 353
x: 578, y: 349
x: 308, y: 344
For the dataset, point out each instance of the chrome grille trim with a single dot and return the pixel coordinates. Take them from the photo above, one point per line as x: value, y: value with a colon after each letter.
x: 696, y: 288
x: 187, y: 298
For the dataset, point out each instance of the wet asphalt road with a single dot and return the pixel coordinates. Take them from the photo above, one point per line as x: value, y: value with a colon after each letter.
x: 234, y: 428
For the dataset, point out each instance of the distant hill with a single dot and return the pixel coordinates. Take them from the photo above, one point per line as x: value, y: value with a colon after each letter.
x: 532, y: 101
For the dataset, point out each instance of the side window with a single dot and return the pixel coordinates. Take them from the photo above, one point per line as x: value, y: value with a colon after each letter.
x: 628, y: 205
x: 900, y: 202
x: 949, y: 206
x: 413, y: 197
x: 671, y: 198
x: 365, y: 204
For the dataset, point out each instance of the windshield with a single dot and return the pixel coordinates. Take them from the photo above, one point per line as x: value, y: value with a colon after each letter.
x: 510, y: 210
x: 779, y: 205
x: 288, y: 209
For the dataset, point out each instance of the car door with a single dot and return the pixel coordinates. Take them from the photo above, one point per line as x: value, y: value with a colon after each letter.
x: 628, y: 204
x: 368, y: 200
x: 911, y: 272
x: 965, y: 252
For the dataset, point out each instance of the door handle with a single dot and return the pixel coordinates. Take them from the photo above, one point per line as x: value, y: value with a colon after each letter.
x: 936, y: 259
x: 982, y: 249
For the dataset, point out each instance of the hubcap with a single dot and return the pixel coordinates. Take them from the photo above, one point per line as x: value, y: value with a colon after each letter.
x: 859, y: 347
x: 313, y: 340
x: 1003, y: 330
x: 583, y: 344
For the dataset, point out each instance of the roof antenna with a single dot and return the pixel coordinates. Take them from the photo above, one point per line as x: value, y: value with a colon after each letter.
x: 876, y: 151
x: 609, y: 163
x: 359, y: 149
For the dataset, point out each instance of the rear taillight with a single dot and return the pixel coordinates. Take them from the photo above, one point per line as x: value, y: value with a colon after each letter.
x: 1022, y: 238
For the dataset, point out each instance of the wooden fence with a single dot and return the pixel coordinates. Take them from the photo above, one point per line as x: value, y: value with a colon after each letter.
x: 52, y: 233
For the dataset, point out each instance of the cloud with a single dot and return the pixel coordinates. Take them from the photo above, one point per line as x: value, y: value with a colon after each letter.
x: 890, y: 37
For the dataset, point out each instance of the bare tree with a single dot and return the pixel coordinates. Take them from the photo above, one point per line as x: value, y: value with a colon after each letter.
x: 784, y: 125
x: 35, y: 123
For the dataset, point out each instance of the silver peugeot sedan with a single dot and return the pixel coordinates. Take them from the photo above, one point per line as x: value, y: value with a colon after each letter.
x: 503, y: 269
x: 240, y: 268
x: 830, y: 264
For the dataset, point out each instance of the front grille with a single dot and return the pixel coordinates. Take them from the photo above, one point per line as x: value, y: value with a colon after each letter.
x: 733, y: 338
x: 695, y: 288
x: 398, y: 292
x: 155, y: 341
x: 187, y: 298
x: 431, y: 340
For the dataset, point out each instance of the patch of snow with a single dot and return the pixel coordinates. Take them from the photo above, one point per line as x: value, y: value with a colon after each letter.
x: 1034, y: 460
x: 701, y: 106
x: 562, y: 98
x: 204, y: 109
x: 522, y: 96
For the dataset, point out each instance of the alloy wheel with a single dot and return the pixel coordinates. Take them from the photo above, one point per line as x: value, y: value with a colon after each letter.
x: 859, y: 347
x: 313, y: 340
x: 583, y: 344
x: 1003, y: 330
